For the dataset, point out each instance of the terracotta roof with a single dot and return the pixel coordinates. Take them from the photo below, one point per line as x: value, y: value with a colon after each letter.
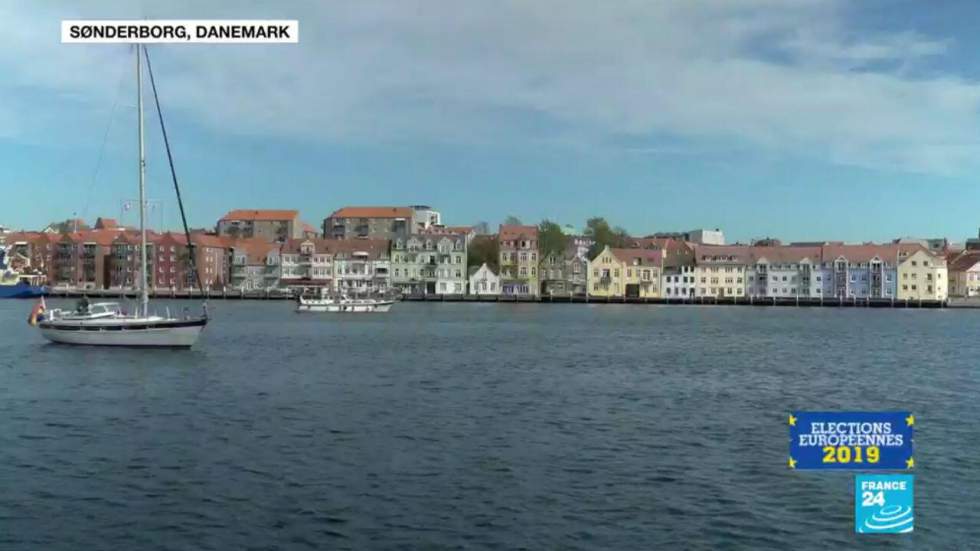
x: 261, y: 214
x: 373, y: 212
x: 310, y: 228
x: 99, y: 237
x: 786, y: 254
x: 510, y: 232
x: 255, y: 249
x: 964, y: 261
x: 634, y: 256
x: 865, y: 252
x: 722, y: 254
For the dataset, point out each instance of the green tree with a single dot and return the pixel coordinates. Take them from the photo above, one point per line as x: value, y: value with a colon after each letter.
x: 550, y: 238
x: 484, y: 248
x: 603, y: 234
x: 512, y: 221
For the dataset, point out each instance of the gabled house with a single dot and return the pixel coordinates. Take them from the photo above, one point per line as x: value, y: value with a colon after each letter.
x: 483, y: 282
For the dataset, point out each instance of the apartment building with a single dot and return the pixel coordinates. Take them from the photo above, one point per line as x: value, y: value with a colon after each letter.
x: 389, y: 223
x: 269, y: 225
x: 519, y: 260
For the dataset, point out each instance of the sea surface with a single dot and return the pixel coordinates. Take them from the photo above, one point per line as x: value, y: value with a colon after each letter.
x: 480, y: 426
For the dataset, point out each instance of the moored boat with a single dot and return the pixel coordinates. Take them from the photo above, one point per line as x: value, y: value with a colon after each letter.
x: 15, y: 284
x: 106, y: 323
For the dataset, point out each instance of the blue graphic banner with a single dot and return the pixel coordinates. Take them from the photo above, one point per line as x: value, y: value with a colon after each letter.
x: 855, y: 440
x: 884, y: 503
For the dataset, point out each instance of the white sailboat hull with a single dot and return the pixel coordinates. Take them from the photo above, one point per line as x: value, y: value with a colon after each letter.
x: 164, y: 335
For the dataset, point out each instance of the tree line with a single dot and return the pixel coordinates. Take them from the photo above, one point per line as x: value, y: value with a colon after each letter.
x: 552, y: 239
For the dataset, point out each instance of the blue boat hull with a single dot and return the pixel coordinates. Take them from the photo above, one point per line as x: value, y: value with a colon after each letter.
x: 22, y: 290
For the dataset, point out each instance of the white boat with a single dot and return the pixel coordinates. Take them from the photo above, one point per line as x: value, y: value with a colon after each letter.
x: 343, y: 305
x: 105, y: 323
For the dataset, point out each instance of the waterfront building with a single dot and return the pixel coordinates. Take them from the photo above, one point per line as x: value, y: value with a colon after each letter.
x: 519, y: 260
x: 432, y: 262
x: 125, y: 251
x: 720, y: 270
x: 302, y: 263
x: 677, y: 275
x: 964, y: 274
x: 413, y: 265
x: 451, y: 276
x: 483, y: 281
x: 389, y: 223
x: 270, y: 225
x: 210, y: 257
x: 860, y: 271
x: 361, y: 266
x: 642, y: 270
x: 606, y: 274
x: 252, y: 268
x: 784, y: 272
x: 564, y: 273
x: 82, y: 259
x: 922, y: 275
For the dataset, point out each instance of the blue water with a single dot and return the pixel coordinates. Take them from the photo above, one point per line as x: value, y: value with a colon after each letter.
x: 446, y: 426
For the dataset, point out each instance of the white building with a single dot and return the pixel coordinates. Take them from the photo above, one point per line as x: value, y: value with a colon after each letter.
x: 424, y: 217
x: 484, y: 282
x: 706, y: 237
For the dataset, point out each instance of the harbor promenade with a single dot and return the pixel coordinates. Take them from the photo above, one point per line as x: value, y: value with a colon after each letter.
x: 232, y: 294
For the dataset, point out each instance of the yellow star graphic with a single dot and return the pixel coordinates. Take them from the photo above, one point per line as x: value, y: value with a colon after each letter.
x: 910, y: 420
x: 909, y: 463
x: 792, y: 420
x: 792, y: 463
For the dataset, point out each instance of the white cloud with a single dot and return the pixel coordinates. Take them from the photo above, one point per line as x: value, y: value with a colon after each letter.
x: 562, y: 74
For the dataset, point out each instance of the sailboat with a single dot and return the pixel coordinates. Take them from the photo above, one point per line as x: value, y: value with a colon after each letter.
x: 107, y: 323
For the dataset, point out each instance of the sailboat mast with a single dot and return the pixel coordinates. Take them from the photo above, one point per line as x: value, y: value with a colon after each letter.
x: 144, y: 294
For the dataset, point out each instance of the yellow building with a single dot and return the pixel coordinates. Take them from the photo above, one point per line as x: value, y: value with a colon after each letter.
x: 964, y: 275
x: 642, y: 269
x: 606, y: 275
x: 922, y: 276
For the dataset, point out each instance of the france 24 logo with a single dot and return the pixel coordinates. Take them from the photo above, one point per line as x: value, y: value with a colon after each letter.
x: 884, y: 503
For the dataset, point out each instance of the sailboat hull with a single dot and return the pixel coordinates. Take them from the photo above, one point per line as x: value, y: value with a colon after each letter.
x: 165, y: 334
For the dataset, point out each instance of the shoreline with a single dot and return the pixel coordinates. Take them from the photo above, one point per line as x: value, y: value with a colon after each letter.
x: 696, y: 301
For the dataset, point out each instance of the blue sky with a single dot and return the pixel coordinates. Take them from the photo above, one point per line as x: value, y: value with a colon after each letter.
x: 794, y: 119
